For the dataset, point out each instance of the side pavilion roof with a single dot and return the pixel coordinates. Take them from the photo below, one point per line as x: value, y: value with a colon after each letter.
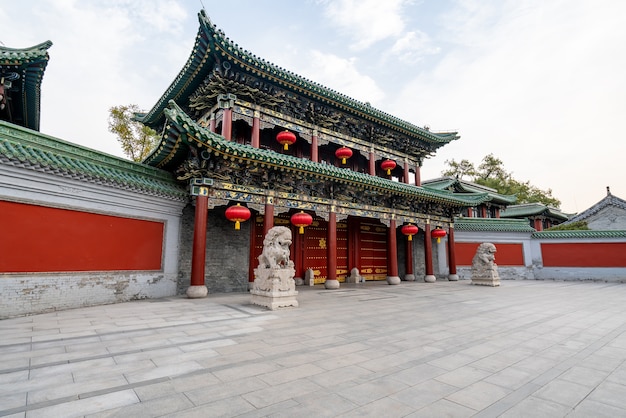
x: 181, y: 132
x: 456, y: 185
x: 533, y: 209
x: 609, y: 200
x: 21, y: 71
x: 212, y: 47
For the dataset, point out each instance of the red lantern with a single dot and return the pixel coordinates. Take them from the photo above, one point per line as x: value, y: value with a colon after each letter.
x: 301, y: 220
x: 237, y: 214
x: 438, y: 233
x: 286, y: 138
x: 388, y: 165
x: 343, y: 153
x: 409, y: 230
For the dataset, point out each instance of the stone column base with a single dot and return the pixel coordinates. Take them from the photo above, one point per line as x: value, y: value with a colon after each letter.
x: 331, y: 284
x: 409, y: 277
x: 393, y: 280
x: 453, y: 277
x: 196, y: 292
x: 430, y: 278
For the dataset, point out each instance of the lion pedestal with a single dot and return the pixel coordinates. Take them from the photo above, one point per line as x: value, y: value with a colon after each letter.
x: 484, y: 268
x: 274, y: 285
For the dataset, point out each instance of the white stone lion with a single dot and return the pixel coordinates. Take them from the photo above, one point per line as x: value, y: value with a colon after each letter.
x: 276, y: 249
x: 484, y: 268
x: 485, y: 256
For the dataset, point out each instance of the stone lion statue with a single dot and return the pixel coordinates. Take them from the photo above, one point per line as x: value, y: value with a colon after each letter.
x: 485, y: 255
x: 276, y: 249
x: 484, y: 268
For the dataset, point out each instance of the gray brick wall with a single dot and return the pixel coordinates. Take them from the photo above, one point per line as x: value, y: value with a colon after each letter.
x: 227, y: 253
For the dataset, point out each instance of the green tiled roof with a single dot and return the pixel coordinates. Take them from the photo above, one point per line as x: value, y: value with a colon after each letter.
x: 24, y: 69
x: 212, y: 45
x: 462, y: 186
x: 532, y: 209
x: 579, y: 234
x: 172, y: 150
x: 21, y: 147
x: 492, y: 225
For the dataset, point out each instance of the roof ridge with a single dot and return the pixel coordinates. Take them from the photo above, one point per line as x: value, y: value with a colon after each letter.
x: 210, y: 38
x: 41, y: 47
x: 591, y: 233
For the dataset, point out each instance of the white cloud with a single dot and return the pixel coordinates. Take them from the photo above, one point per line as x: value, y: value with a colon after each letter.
x: 540, y: 86
x: 342, y: 75
x: 412, y: 46
x: 367, y: 21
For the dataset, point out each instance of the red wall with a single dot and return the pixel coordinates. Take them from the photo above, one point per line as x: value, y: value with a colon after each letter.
x: 506, y: 255
x: 43, y: 239
x: 600, y: 254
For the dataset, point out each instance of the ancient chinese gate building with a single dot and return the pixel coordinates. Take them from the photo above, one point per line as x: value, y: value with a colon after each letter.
x: 220, y: 120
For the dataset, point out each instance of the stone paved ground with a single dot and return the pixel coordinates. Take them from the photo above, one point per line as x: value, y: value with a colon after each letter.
x: 525, y: 349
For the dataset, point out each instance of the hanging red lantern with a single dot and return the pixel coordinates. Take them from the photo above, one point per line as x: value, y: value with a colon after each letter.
x: 301, y: 220
x: 388, y: 165
x: 344, y: 153
x: 237, y: 214
x: 409, y: 230
x: 286, y: 138
x: 438, y: 233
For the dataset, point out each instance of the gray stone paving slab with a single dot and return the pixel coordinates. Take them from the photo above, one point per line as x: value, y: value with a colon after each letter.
x: 443, y: 408
x: 525, y: 349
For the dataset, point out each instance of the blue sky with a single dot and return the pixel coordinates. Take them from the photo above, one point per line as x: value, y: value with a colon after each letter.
x: 538, y: 83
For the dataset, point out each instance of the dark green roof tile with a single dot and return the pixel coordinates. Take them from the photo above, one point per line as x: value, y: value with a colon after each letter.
x: 580, y: 234
x: 492, y: 225
x: 181, y: 124
x: 32, y: 150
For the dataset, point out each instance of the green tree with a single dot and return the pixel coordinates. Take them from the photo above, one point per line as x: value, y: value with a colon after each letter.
x: 459, y: 169
x: 137, y: 140
x: 491, y: 173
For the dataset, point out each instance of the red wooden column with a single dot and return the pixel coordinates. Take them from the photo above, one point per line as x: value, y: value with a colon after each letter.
x: 538, y: 225
x: 212, y: 123
x: 297, y: 254
x: 331, y: 251
x: 392, y: 254
x: 314, y: 148
x: 408, y: 262
x: 418, y: 174
x: 453, y: 277
x: 227, y: 123
x: 428, y: 254
x: 268, y: 218
x: 197, y: 288
x: 372, y: 163
x: 253, y: 261
x: 226, y: 102
x: 255, y: 141
x: 406, y: 171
